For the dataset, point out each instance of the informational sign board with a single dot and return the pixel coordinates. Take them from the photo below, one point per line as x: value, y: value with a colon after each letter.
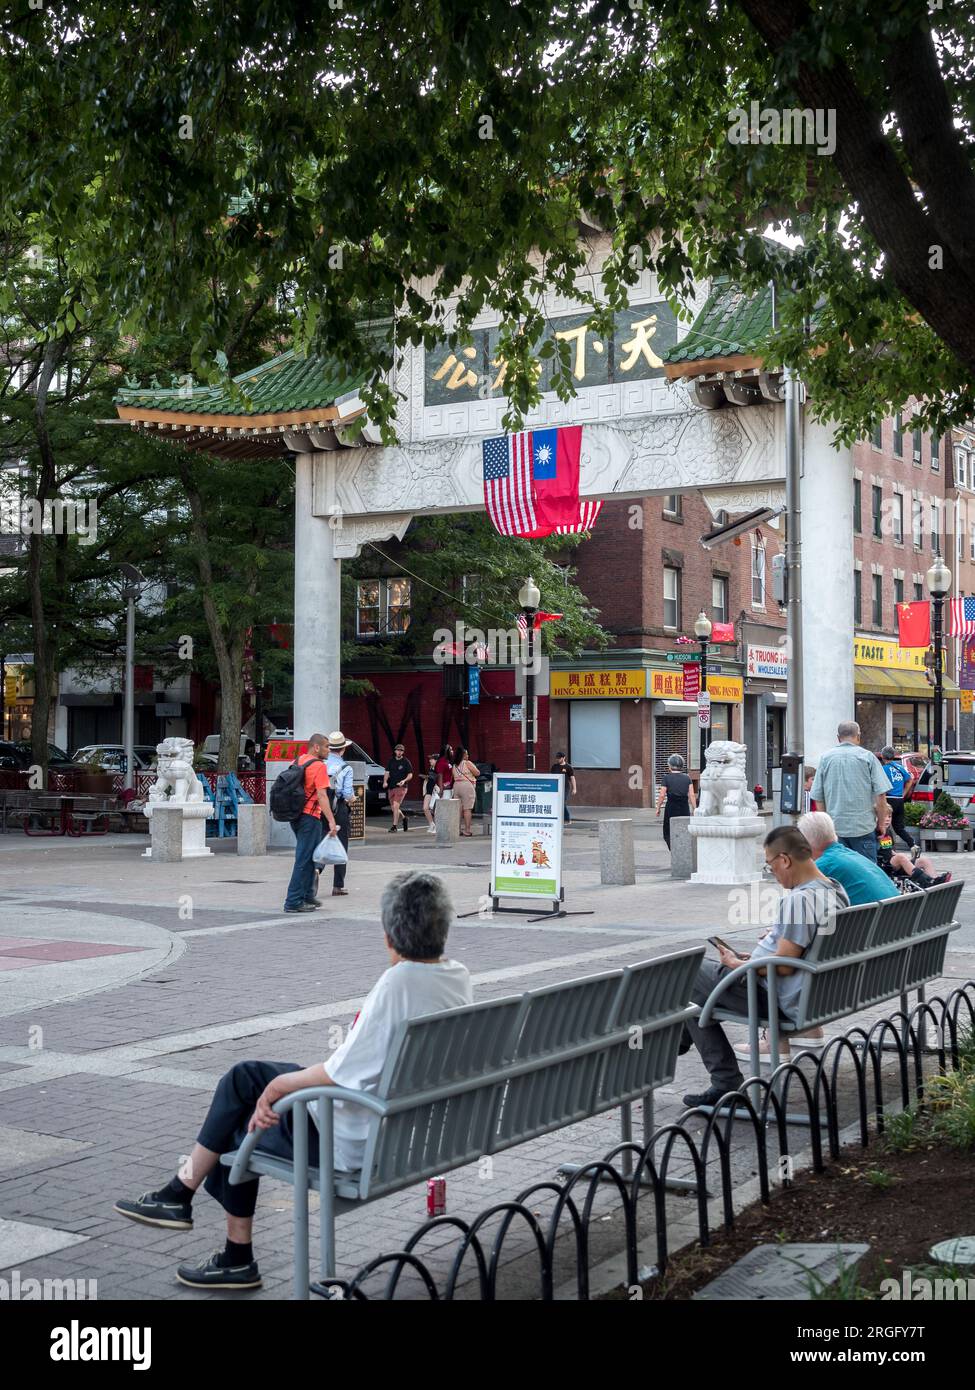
x: 598, y: 685
x: 473, y: 685
x: 526, y: 836
x: 967, y: 678
x: 966, y: 701
x: 766, y: 663
x: 692, y: 682
x: 704, y: 710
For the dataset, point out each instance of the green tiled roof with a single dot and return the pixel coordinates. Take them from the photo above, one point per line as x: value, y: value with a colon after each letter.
x: 285, y: 384
x: 731, y: 322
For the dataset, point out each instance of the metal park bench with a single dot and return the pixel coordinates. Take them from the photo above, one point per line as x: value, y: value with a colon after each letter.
x: 474, y: 1081
x: 874, y: 952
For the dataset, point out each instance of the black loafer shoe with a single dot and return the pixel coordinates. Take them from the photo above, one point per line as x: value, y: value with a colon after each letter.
x: 152, y: 1210
x: 214, y: 1275
x: 709, y: 1097
x: 302, y: 907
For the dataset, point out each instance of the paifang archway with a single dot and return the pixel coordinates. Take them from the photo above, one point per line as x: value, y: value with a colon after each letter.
x: 665, y: 408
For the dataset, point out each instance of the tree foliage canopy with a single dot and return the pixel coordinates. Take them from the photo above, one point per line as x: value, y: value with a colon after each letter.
x: 439, y: 156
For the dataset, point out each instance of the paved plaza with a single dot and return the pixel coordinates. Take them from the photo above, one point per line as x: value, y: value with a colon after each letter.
x: 127, y: 988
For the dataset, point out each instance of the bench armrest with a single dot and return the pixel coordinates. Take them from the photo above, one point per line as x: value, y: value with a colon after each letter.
x: 750, y: 967
x: 328, y: 1094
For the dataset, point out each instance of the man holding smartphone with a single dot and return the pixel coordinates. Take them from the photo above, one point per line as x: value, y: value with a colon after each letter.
x: 809, y: 903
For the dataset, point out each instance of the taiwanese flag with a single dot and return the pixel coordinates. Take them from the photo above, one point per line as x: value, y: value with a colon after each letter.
x: 531, y: 483
x: 723, y: 632
x: 914, y: 624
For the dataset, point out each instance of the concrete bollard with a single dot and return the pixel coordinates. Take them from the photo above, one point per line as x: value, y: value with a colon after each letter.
x: 683, y: 848
x: 252, y: 828
x: 616, y: 864
x: 166, y: 834
x: 447, y: 820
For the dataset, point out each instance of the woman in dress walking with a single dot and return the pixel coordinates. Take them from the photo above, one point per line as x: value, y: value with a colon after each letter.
x: 429, y: 787
x: 676, y: 793
x: 465, y: 780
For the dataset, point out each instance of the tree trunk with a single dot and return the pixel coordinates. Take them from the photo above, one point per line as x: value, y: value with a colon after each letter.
x: 45, y: 635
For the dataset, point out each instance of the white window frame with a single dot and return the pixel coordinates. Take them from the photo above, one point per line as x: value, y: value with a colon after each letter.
x: 961, y: 468
x: 674, y: 598
x: 758, y: 573
x: 677, y: 508
x: 719, y: 583
x: 898, y: 518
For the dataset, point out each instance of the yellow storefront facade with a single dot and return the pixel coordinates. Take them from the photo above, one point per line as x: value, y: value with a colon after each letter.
x: 894, y: 697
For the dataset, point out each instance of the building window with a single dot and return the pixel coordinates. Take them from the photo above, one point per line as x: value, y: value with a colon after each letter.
x: 899, y: 435
x: 594, y: 733
x: 935, y: 527
x: 857, y: 513
x: 935, y: 452
x: 898, y: 518
x: 672, y: 504
x: 972, y: 544
x: 878, y: 600
x: 382, y: 606
x: 671, y: 598
x: 398, y: 604
x: 961, y: 468
x: 917, y: 521
x: 367, y: 610
x: 916, y: 445
x: 878, y: 435
x: 877, y: 504
x: 758, y: 575
x: 919, y: 587
x: 898, y: 591
x: 857, y: 597
x: 719, y: 599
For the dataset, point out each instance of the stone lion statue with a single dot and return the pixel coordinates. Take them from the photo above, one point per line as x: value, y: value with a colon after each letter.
x: 176, y: 782
x: 724, y: 786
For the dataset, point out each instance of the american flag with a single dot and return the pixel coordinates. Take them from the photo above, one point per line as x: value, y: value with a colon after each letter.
x: 522, y: 624
x: 961, y: 617
x: 508, y: 484
x: 588, y: 512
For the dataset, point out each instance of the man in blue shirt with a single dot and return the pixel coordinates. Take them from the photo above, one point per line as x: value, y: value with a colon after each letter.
x: 850, y: 784
x: 901, y: 783
x: 864, y: 881
x: 343, y: 795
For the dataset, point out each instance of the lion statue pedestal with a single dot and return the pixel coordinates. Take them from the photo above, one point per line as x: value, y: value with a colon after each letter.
x: 726, y: 824
x: 178, y: 788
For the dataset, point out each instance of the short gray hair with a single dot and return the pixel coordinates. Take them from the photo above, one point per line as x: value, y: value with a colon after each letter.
x: 676, y: 761
x: 849, y: 728
x: 416, y: 913
x: 818, y: 829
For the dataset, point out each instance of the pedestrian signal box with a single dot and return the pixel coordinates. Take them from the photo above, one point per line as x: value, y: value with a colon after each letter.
x: 790, y: 796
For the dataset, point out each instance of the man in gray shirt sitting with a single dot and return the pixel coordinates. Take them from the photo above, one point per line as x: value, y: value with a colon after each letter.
x: 808, y: 904
x: 852, y: 787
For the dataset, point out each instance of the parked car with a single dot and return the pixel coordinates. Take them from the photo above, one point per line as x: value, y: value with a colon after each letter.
x: 112, y: 756
x: 18, y: 755
x: 246, y: 759
x: 956, y: 777
x: 377, y: 799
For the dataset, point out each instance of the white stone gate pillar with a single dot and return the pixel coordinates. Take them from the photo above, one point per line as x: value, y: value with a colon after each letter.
x: 318, y: 610
x: 826, y: 494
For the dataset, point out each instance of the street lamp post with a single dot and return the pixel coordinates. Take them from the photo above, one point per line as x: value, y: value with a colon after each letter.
x: 702, y: 631
x: 529, y: 598
x: 130, y: 592
x: 939, y: 584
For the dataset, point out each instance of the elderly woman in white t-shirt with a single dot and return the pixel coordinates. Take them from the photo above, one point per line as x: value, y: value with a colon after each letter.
x: 416, y: 913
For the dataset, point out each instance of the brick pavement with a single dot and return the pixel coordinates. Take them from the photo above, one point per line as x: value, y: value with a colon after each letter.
x: 126, y: 1071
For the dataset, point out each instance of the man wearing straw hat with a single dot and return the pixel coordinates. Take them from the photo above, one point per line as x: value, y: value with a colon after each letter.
x: 342, y: 794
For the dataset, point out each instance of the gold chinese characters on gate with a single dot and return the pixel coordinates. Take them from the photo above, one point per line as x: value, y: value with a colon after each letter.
x: 633, y: 352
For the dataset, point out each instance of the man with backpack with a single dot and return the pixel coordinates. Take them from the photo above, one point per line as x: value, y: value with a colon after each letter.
x: 300, y: 795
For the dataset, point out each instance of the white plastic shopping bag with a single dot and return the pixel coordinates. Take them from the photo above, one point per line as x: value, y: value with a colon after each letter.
x: 330, y: 851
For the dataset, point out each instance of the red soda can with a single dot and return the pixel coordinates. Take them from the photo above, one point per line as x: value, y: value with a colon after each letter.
x: 436, y: 1196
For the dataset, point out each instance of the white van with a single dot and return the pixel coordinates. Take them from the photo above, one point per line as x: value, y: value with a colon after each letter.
x: 245, y: 754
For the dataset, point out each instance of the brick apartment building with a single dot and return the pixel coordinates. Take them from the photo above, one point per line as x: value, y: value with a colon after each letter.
x: 905, y: 512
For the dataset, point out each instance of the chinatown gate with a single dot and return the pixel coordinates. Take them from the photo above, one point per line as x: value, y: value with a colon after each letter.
x: 666, y: 407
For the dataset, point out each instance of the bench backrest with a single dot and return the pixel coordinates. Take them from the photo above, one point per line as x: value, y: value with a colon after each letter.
x: 492, y: 1075
x: 902, y: 961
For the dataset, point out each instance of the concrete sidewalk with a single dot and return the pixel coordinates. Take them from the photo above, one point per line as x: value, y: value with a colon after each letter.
x: 146, y: 981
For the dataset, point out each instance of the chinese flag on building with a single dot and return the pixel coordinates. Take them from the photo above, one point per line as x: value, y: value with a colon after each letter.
x: 723, y: 632
x: 914, y: 624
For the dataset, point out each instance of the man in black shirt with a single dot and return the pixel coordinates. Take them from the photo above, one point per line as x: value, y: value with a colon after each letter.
x: 560, y: 765
x: 399, y: 771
